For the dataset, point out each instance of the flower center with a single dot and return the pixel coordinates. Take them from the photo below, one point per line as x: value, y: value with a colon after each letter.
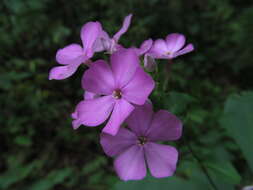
x: 168, y: 53
x: 142, y: 140
x: 117, y: 94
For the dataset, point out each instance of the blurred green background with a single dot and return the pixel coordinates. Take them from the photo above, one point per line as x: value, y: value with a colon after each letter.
x: 211, y: 90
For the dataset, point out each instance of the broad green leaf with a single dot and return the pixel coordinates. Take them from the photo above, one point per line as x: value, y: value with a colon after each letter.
x: 224, y: 171
x: 238, y: 121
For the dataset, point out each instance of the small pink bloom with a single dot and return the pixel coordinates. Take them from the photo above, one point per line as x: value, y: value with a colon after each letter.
x: 170, y: 48
x: 73, y: 55
x: 117, y: 87
x: 136, y: 146
x: 105, y: 43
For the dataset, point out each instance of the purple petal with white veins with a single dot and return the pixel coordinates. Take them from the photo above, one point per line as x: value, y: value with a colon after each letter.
x: 99, y: 78
x: 113, y: 145
x: 69, y: 54
x: 121, y: 111
x: 124, y: 63
x: 185, y: 50
x: 63, y: 72
x: 140, y: 119
x: 93, y: 112
x: 164, y: 127
x: 161, y: 159
x: 139, y: 88
x: 89, y: 33
x: 130, y: 165
x: 126, y: 23
x: 175, y: 42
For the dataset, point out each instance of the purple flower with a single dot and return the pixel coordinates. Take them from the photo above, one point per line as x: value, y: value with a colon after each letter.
x: 169, y: 48
x: 136, y: 146
x: 120, y: 86
x: 74, y: 55
x: 105, y: 43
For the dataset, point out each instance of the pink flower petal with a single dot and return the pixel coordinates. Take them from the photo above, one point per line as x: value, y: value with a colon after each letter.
x: 124, y: 64
x: 164, y: 127
x: 121, y: 111
x: 185, y: 50
x: 102, y: 43
x: 93, y: 112
x: 124, y: 27
x: 140, y: 119
x: 69, y: 54
x: 89, y: 33
x: 130, y: 165
x: 99, y: 78
x: 89, y: 95
x: 145, y: 46
x: 139, y: 88
x: 175, y: 42
x: 161, y: 159
x: 63, y: 72
x: 159, y: 48
x: 113, y: 145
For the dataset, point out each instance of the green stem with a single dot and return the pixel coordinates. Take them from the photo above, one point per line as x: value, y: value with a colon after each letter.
x: 167, y: 72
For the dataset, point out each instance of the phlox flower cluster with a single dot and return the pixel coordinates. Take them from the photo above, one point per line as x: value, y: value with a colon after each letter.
x: 116, y: 94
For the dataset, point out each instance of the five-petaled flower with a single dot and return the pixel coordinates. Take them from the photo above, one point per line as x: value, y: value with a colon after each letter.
x: 136, y: 146
x: 120, y: 86
x: 169, y: 48
x: 73, y: 55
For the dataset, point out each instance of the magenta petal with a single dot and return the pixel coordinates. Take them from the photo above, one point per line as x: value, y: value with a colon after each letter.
x: 113, y: 145
x: 102, y: 43
x: 121, y: 111
x: 124, y: 64
x: 185, y: 50
x: 93, y: 112
x: 145, y: 46
x: 164, y: 127
x: 99, y: 78
x: 74, y: 115
x: 175, y: 42
x: 63, y: 72
x: 140, y: 119
x: 89, y: 95
x: 130, y: 165
x: 124, y: 27
x: 89, y: 33
x: 161, y: 159
x: 139, y: 88
x: 69, y: 54
x: 159, y: 48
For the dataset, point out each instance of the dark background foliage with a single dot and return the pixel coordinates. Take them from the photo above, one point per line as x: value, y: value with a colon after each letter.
x: 208, y: 89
